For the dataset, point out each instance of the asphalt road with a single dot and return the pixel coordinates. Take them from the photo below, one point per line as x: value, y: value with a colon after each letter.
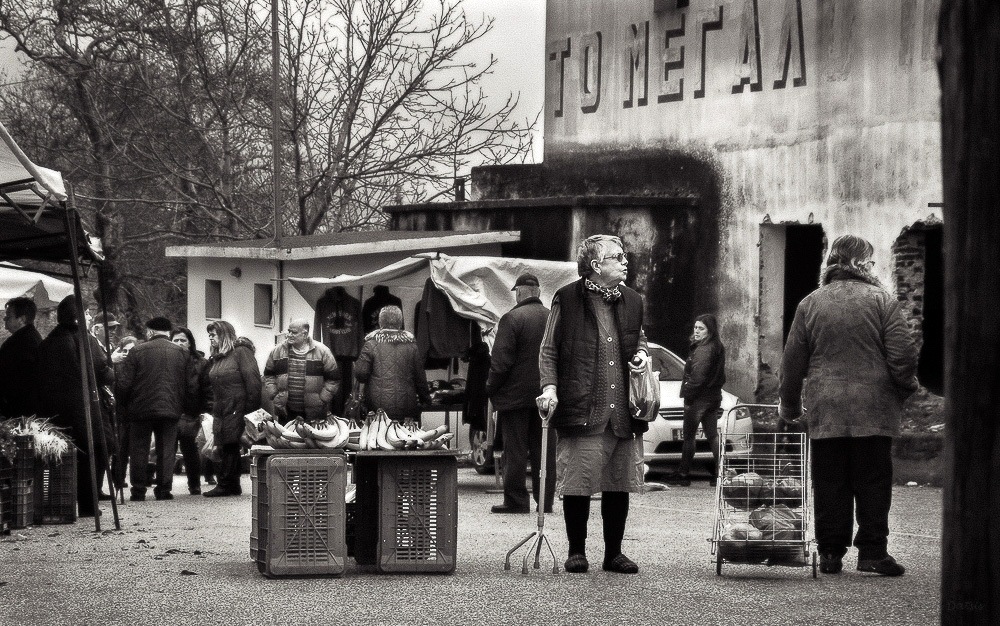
x: 186, y: 561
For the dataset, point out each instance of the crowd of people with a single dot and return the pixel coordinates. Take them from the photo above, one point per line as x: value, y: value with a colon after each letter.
x: 849, y: 364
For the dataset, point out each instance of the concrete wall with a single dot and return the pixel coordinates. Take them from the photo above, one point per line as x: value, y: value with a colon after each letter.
x: 797, y: 111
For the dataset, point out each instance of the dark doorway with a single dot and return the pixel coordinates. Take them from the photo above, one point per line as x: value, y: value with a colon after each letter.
x: 931, y: 368
x: 804, y: 247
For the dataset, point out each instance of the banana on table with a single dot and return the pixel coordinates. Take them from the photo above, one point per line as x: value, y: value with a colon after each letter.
x: 378, y: 432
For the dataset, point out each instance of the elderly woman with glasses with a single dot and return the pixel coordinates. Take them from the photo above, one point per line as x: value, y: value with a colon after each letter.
x: 593, y: 337
x: 849, y: 349
x: 392, y: 368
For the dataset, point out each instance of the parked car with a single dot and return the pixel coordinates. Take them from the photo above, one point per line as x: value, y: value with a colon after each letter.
x: 662, y: 442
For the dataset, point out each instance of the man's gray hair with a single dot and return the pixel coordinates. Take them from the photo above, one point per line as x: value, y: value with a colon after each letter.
x: 390, y: 317
x: 594, y: 248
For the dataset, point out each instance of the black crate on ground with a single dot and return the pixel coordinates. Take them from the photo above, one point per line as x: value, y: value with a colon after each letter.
x: 23, y: 500
x: 6, y: 494
x: 306, y: 515
x: 410, y: 499
x: 24, y: 457
x: 55, y: 490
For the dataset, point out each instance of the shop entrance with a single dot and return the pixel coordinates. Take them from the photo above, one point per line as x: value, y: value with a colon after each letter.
x: 791, y: 258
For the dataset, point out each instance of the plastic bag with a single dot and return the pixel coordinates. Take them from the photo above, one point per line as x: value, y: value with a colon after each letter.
x: 205, y: 439
x: 253, y: 430
x: 644, y: 393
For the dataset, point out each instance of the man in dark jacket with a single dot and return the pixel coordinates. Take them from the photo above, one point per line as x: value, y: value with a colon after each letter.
x: 158, y: 382
x: 301, y: 378
x: 19, y: 359
x: 513, y: 384
x: 592, y: 338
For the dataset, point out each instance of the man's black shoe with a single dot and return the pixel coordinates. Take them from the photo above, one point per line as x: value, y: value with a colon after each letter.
x: 195, y: 491
x: 219, y: 492
x: 137, y: 497
x: 886, y: 566
x: 503, y: 508
x: 830, y: 563
x: 166, y: 495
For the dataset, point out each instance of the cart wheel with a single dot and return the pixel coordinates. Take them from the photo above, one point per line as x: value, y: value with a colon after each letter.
x: 814, y: 565
x: 718, y: 565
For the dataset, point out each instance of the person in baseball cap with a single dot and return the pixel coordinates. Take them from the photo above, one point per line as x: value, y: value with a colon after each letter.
x: 526, y: 279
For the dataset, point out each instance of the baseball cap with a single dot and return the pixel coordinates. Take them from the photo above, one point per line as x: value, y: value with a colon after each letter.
x: 526, y: 279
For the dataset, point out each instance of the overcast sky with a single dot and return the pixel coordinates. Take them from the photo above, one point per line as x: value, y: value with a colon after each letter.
x: 517, y: 40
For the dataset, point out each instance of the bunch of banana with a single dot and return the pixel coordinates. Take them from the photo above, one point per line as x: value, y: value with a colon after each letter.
x: 331, y: 433
x: 381, y: 433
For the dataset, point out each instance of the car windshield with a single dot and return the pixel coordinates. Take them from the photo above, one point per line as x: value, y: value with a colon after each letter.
x: 670, y: 366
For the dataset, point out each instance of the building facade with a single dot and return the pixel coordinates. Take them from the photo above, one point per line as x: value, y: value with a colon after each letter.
x: 728, y: 142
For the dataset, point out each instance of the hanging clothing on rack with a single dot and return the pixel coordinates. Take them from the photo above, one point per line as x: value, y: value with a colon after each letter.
x: 476, y: 398
x: 338, y: 323
x: 441, y: 332
x: 380, y: 298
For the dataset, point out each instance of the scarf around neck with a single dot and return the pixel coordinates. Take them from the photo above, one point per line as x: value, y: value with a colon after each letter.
x: 609, y: 295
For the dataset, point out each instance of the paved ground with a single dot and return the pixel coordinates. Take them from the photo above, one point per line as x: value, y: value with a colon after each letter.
x: 186, y: 562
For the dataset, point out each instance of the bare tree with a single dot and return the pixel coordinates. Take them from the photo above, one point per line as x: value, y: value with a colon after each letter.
x: 159, y: 113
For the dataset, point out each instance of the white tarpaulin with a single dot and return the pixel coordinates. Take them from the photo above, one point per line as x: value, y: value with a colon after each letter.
x: 16, y: 166
x: 44, y: 290
x: 478, y: 287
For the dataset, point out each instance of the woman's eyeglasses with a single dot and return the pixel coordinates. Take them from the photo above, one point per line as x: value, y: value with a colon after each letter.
x: 620, y: 257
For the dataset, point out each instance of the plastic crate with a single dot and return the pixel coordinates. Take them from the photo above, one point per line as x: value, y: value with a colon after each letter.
x: 6, y: 495
x: 305, y: 516
x: 23, y: 500
x: 417, y: 511
x: 55, y: 490
x: 24, y: 457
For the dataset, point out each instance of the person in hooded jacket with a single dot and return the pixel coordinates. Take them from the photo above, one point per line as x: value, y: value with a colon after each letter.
x: 61, y: 398
x: 851, y: 362
x: 393, y: 369
x: 235, y: 381
x: 701, y: 389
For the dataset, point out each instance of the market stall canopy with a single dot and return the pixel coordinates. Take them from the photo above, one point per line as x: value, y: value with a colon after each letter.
x: 478, y: 287
x: 33, y: 210
x: 44, y: 290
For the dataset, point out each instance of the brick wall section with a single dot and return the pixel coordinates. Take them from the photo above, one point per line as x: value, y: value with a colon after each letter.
x: 909, y: 257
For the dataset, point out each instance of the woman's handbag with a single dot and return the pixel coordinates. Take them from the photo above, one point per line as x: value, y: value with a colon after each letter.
x: 644, y: 393
x: 354, y: 408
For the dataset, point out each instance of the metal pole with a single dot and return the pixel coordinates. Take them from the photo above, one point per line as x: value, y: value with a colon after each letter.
x: 275, y: 103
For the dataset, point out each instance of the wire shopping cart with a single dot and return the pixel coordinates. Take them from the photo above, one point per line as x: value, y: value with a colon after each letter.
x: 762, y: 500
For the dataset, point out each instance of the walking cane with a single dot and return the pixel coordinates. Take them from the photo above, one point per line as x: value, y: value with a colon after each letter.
x: 539, y: 535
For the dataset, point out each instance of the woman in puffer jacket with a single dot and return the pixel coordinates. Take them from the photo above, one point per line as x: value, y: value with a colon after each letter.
x: 236, y: 384
x: 704, y: 375
x: 392, y: 368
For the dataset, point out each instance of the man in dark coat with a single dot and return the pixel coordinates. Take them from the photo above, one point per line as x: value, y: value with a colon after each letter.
x: 593, y: 339
x: 158, y: 382
x: 19, y: 359
x: 513, y: 385
x: 61, y: 396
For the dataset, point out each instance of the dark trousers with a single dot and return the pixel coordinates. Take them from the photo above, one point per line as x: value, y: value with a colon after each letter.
x: 852, y: 475
x: 228, y: 470
x: 192, y: 460
x: 521, y: 430
x: 703, y: 412
x: 84, y: 488
x: 165, y: 432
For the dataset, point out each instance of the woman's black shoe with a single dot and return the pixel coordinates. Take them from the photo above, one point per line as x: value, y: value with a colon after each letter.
x: 218, y: 492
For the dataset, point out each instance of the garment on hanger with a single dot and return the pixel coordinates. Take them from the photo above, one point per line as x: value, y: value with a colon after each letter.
x: 474, y: 411
x: 380, y: 298
x: 430, y: 363
x: 338, y: 323
x: 441, y: 332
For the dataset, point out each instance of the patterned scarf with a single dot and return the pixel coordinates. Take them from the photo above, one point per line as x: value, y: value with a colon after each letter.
x: 609, y: 295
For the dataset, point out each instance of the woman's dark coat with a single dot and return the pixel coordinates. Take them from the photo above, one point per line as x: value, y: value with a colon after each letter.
x: 393, y: 369
x: 236, y: 386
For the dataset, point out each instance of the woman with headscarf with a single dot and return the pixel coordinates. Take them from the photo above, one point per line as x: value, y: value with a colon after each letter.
x: 851, y: 347
x: 392, y: 368
x: 701, y: 388
x: 235, y: 381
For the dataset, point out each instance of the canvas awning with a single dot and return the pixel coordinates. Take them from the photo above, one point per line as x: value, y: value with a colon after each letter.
x: 32, y: 210
x: 44, y: 290
x: 478, y: 287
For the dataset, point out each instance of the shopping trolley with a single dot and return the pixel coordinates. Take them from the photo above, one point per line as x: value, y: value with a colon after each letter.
x: 762, y: 500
